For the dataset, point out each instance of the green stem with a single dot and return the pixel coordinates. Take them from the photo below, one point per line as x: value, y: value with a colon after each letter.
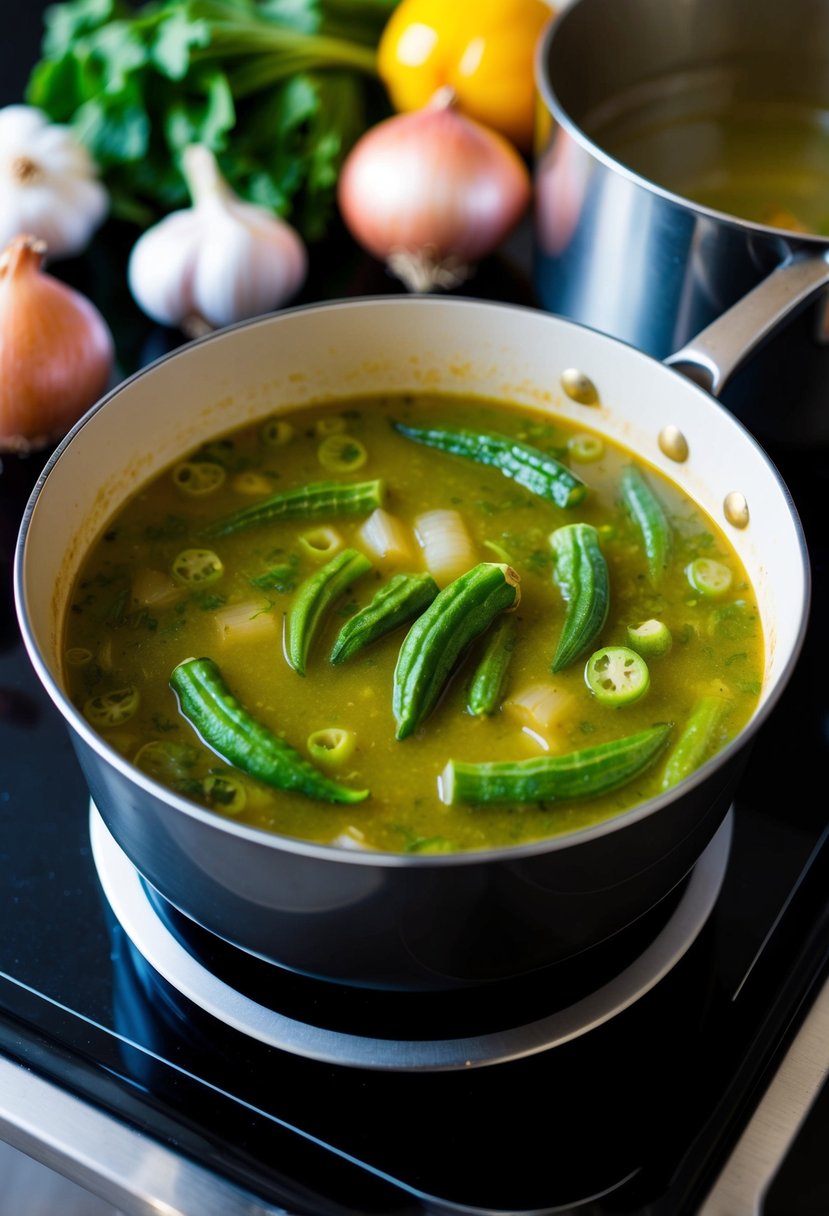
x: 320, y: 51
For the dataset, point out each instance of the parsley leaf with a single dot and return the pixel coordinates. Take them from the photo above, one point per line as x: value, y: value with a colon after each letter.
x: 279, y: 90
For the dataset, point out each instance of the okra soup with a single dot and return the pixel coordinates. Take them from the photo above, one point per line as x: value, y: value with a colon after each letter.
x: 415, y: 624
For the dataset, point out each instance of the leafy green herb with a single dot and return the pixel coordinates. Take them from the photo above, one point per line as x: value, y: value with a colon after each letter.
x: 208, y: 601
x: 162, y: 724
x: 282, y: 577
x: 115, y: 610
x: 538, y: 561
x: 279, y: 90
x: 142, y: 618
x: 170, y: 528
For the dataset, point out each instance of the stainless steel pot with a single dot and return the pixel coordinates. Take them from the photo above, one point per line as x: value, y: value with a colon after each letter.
x: 619, y: 251
x: 407, y: 921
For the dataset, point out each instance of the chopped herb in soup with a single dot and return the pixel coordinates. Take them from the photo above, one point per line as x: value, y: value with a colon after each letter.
x: 416, y: 624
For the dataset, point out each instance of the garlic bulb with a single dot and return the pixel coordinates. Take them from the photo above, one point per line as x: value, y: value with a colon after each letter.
x: 219, y: 261
x: 48, y: 183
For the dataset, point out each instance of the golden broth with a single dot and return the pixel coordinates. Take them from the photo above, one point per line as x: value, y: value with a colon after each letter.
x: 131, y: 623
x: 761, y: 161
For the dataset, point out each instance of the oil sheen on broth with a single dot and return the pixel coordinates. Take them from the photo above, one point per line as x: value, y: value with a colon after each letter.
x: 766, y: 162
x: 139, y: 608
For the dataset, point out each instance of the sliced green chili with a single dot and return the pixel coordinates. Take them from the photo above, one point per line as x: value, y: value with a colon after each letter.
x: 165, y: 760
x: 276, y: 432
x: 586, y: 773
x: 78, y: 656
x: 197, y: 567
x: 198, y: 477
x: 332, y: 746
x: 580, y: 570
x: 399, y: 601
x: 223, y: 723
x: 320, y: 542
x: 112, y: 708
x: 650, y: 638
x: 313, y: 501
x: 617, y: 675
x: 341, y: 453
x: 434, y: 645
x: 650, y: 518
x: 708, y: 576
x: 586, y: 448
x: 490, y: 677
x: 531, y: 468
x: 315, y: 599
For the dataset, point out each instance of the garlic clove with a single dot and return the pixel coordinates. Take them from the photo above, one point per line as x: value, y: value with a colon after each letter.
x: 247, y: 265
x: 161, y: 267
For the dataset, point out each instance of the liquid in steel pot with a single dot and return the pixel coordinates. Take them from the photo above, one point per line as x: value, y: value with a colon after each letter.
x: 632, y: 94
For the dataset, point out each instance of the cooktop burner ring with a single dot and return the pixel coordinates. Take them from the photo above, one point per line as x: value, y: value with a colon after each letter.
x: 168, y: 957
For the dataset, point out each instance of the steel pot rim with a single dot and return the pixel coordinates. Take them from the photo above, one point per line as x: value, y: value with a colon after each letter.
x: 549, y: 97
x: 369, y: 857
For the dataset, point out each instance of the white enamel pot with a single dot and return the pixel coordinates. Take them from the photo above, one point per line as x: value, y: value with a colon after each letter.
x: 390, y: 920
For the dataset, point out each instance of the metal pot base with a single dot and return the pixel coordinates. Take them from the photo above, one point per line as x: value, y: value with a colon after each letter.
x: 167, y: 955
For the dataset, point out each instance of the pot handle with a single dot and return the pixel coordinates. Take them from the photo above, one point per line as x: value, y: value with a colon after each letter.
x: 711, y: 358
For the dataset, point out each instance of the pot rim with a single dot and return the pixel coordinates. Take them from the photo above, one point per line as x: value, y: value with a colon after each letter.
x: 547, y: 92
x: 370, y: 857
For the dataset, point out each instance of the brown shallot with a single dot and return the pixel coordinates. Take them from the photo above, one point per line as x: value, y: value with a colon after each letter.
x: 56, y: 350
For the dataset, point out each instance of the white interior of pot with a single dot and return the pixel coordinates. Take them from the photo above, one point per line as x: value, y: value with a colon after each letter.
x: 393, y: 345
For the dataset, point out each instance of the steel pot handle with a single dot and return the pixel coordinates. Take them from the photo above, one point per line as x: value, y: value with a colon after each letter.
x: 711, y: 358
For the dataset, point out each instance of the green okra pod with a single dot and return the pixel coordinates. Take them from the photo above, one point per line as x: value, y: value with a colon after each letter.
x: 531, y: 468
x: 581, y: 774
x: 319, y: 499
x: 580, y: 570
x: 650, y: 519
x: 438, y: 639
x: 223, y: 723
x: 696, y: 740
x: 399, y: 601
x: 490, y: 675
x: 314, y: 600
